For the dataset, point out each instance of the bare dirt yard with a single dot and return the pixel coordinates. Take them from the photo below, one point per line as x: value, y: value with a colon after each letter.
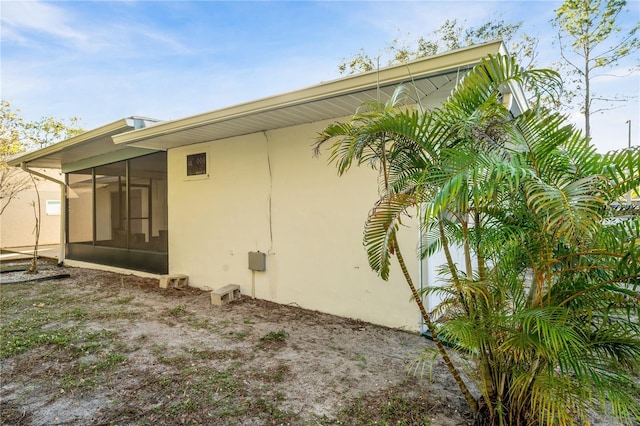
x: 99, y: 348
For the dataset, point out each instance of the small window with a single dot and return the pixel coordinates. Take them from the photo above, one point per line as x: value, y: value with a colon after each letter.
x: 197, y: 165
x: 53, y: 207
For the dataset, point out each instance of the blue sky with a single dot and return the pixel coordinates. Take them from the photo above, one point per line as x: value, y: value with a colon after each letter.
x: 105, y: 60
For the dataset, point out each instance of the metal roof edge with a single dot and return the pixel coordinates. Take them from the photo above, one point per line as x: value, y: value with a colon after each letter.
x: 122, y: 125
x: 389, y: 75
x: 110, y: 157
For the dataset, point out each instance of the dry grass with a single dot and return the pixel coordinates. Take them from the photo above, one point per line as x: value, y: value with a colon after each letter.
x: 100, y: 348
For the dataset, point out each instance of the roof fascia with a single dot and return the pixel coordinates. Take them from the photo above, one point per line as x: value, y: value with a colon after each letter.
x: 111, y: 157
x: 386, y: 76
x: 119, y: 126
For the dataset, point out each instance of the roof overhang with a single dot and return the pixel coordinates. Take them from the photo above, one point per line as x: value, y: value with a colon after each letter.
x: 84, y: 147
x: 426, y: 78
x: 331, y: 100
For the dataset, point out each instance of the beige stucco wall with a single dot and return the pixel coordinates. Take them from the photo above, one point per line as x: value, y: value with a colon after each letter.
x: 267, y: 192
x: 18, y: 220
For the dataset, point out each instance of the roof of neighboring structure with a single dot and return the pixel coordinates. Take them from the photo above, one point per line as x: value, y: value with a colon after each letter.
x: 432, y: 76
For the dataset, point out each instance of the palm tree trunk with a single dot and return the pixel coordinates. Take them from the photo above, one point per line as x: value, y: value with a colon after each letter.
x: 467, y: 250
x: 482, y: 274
x: 473, y: 404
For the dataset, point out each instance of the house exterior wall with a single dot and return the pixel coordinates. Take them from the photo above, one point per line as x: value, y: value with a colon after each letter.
x: 266, y: 192
x: 17, y: 222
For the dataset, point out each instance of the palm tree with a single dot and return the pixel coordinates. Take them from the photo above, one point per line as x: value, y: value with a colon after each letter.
x: 545, y: 300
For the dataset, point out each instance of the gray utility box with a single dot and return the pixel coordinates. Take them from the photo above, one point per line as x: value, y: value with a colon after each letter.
x: 257, y: 261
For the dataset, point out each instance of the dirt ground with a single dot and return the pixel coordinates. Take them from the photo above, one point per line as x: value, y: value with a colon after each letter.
x: 100, y: 348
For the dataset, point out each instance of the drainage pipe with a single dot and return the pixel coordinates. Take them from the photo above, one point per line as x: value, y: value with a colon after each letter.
x: 63, y: 210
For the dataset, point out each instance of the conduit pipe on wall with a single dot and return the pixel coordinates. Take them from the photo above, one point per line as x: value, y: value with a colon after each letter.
x: 63, y: 210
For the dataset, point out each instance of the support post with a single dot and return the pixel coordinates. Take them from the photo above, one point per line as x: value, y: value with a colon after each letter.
x: 63, y: 210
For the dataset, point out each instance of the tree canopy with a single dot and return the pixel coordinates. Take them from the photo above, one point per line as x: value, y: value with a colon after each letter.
x: 18, y: 136
x: 590, y: 38
x: 451, y: 35
x: 591, y: 42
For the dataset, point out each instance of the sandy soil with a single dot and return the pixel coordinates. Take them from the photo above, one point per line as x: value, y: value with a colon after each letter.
x: 280, y: 364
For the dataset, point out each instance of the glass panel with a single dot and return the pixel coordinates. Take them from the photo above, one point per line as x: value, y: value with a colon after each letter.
x: 111, y: 192
x: 148, y: 202
x: 80, y: 205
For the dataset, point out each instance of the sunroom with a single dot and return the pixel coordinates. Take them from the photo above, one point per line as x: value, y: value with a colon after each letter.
x: 116, y: 198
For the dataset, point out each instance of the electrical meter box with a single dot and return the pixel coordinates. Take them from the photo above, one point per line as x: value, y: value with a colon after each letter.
x: 257, y: 261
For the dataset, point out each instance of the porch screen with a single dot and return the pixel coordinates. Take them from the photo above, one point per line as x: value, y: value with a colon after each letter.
x: 148, y: 202
x: 121, y: 205
x: 80, y: 205
x: 111, y: 204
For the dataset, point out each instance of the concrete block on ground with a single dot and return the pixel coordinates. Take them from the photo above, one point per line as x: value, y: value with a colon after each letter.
x: 174, y: 280
x: 226, y: 294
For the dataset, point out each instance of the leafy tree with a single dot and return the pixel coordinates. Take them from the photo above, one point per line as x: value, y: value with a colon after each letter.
x: 591, y: 42
x: 546, y: 301
x: 48, y: 130
x: 12, y: 181
x: 18, y: 136
x: 10, y: 128
x: 451, y: 35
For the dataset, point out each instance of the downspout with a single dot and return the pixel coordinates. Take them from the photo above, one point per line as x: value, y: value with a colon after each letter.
x: 63, y: 210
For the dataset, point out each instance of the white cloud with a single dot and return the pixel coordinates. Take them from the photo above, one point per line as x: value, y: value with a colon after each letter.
x: 40, y: 24
x: 22, y: 16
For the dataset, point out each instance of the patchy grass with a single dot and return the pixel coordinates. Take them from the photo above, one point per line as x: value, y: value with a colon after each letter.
x: 188, y: 391
x: 18, y: 337
x: 392, y: 406
x: 177, y: 312
x: 114, y: 349
x: 274, y: 374
x: 275, y: 336
x: 180, y: 314
x: 274, y: 340
x: 47, y: 318
x: 124, y: 300
x: 361, y: 360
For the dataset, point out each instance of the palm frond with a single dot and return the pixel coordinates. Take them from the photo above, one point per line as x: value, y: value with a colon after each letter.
x: 622, y: 169
x: 571, y: 211
x: 380, y: 230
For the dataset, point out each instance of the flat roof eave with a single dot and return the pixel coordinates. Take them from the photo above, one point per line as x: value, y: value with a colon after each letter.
x: 156, y: 136
x: 334, y: 98
x: 100, y: 140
